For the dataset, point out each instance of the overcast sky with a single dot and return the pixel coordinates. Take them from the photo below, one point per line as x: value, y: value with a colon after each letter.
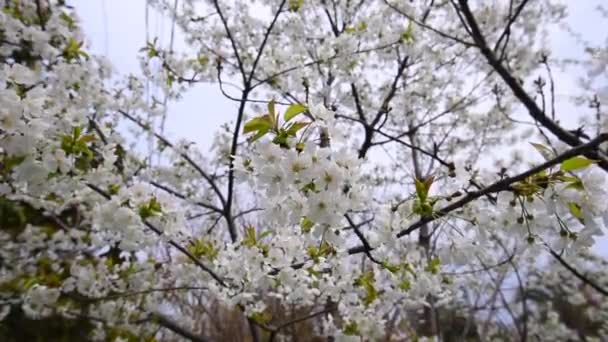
x: 117, y: 29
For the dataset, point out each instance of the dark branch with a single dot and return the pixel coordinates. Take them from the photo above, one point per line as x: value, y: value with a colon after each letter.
x: 506, y: 183
x: 537, y: 113
x: 363, y: 240
x: 159, y: 232
x: 578, y: 274
x: 173, y: 326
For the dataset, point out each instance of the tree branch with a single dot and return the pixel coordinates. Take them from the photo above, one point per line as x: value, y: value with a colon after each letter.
x: 159, y: 232
x: 506, y: 183
x: 520, y: 93
x: 577, y: 274
x: 174, y: 327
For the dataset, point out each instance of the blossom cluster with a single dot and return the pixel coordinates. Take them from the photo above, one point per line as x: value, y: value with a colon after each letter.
x: 299, y: 214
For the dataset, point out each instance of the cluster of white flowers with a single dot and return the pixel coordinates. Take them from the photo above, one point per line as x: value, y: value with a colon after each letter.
x: 88, y: 230
x: 63, y: 242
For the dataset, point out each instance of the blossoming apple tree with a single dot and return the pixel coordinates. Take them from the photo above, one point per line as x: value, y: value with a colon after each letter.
x: 371, y: 183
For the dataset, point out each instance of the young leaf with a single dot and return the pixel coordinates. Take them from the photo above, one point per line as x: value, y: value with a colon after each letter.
x: 250, y: 239
x: 294, y: 5
x: 149, y: 209
x: 575, y: 163
x: 408, y: 35
x: 422, y: 188
x: 294, y: 110
x: 544, y: 151
x: 257, y: 124
x: 391, y: 268
x: 262, y: 132
x: 295, y: 127
x: 271, y: 108
x: 576, y: 185
x: 434, y: 265
x: 351, y: 329
x: 265, y: 234
x: 87, y: 138
x: 576, y: 211
x: 76, y: 132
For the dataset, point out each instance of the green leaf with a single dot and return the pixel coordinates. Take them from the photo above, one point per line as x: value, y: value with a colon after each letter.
x: 170, y: 79
x: 313, y: 253
x: 259, y: 134
x: 294, y: 5
x: 544, y: 151
x: 575, y: 163
x: 70, y: 22
x: 282, y: 139
x: 351, y: 329
x: 271, y: 108
x: 391, y: 268
x: 250, y: 239
x: 72, y: 50
x: 422, y: 188
x: 257, y: 124
x: 203, y: 247
x: 113, y: 189
x: 434, y: 265
x: 576, y: 211
x: 313, y: 273
x: 420, y: 191
x: 150, y: 48
x: 408, y: 35
x: 367, y: 280
x: 576, y: 184
x: 265, y: 234
x: 87, y: 138
x: 405, y: 285
x: 409, y: 269
x: 294, y: 110
x: 295, y: 127
x: 152, y: 208
x: 76, y: 132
